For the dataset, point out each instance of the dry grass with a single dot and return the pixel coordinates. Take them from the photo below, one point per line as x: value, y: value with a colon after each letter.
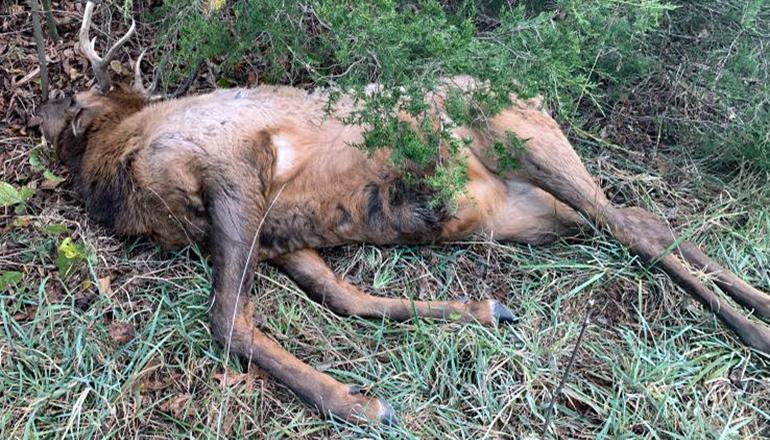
x: 654, y: 364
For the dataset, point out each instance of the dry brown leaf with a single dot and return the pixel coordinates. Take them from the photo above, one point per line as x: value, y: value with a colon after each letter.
x: 49, y: 184
x: 105, y: 288
x: 26, y: 314
x: 176, y: 405
x: 156, y: 384
x: 118, y: 68
x: 232, y: 379
x: 121, y: 332
x: 74, y: 73
x: 53, y: 292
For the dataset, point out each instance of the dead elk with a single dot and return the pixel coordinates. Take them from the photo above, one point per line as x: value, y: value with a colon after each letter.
x: 264, y: 175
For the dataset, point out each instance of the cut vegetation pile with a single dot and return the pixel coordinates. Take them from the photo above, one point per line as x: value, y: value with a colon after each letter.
x: 667, y: 102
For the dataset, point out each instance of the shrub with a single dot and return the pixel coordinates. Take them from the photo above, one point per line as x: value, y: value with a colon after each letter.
x: 562, y: 50
x: 718, y: 54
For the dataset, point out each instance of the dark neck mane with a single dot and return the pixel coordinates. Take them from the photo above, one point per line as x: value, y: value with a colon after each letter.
x: 101, y: 159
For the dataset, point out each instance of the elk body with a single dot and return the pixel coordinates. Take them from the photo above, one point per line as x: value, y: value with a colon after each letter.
x: 266, y: 174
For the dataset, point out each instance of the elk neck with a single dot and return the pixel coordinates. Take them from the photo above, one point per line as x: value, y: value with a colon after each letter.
x: 102, y: 170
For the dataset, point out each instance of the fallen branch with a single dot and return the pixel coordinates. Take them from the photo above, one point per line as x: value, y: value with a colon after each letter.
x: 27, y: 78
x: 52, y: 31
x: 40, y: 43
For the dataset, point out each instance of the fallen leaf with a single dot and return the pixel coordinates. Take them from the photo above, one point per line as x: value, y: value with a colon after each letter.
x: 157, y: 384
x: 54, y: 292
x: 22, y: 221
x: 105, y: 288
x: 117, y: 67
x: 176, y: 405
x: 51, y: 180
x: 231, y: 378
x: 26, y: 314
x: 121, y: 332
x: 73, y: 73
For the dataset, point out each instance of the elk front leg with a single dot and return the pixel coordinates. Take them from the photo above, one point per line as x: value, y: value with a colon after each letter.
x: 548, y: 160
x: 232, y: 324
x: 235, y: 203
x: 323, y: 286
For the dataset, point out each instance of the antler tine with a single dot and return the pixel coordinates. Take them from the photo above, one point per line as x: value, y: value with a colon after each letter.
x: 138, y: 84
x: 130, y: 33
x: 99, y: 64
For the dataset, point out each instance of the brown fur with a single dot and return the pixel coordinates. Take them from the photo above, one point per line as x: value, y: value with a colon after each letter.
x: 266, y: 174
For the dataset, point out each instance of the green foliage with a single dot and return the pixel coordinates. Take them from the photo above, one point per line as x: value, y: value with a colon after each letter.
x: 507, y: 151
x: 562, y: 52
x: 721, y: 53
x: 36, y: 163
x: 577, y: 54
x: 70, y: 255
x: 11, y: 196
x: 9, y: 279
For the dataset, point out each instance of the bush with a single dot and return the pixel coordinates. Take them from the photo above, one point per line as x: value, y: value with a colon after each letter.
x: 575, y: 53
x: 717, y: 52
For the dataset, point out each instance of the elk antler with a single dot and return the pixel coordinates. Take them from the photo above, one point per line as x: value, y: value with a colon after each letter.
x: 139, y: 84
x: 87, y: 47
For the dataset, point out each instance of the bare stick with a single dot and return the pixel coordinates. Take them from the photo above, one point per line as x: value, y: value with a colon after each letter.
x: 40, y: 43
x: 52, y: 31
x: 556, y: 393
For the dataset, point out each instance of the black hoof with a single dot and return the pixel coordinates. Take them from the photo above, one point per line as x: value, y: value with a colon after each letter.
x: 387, y: 414
x: 502, y: 314
x: 354, y: 389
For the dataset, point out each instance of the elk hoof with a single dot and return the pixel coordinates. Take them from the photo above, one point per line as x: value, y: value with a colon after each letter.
x: 501, y: 313
x: 354, y: 389
x: 387, y: 414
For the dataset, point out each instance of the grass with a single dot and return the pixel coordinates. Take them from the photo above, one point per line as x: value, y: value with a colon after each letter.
x: 654, y: 363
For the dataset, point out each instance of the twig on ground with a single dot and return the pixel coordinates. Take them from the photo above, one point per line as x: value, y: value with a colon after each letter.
x: 49, y: 20
x: 556, y: 393
x: 37, y: 29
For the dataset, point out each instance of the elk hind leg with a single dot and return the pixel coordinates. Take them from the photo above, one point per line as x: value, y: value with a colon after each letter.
x: 549, y: 161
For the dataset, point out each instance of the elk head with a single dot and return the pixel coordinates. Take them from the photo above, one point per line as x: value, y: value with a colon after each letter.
x: 67, y: 121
